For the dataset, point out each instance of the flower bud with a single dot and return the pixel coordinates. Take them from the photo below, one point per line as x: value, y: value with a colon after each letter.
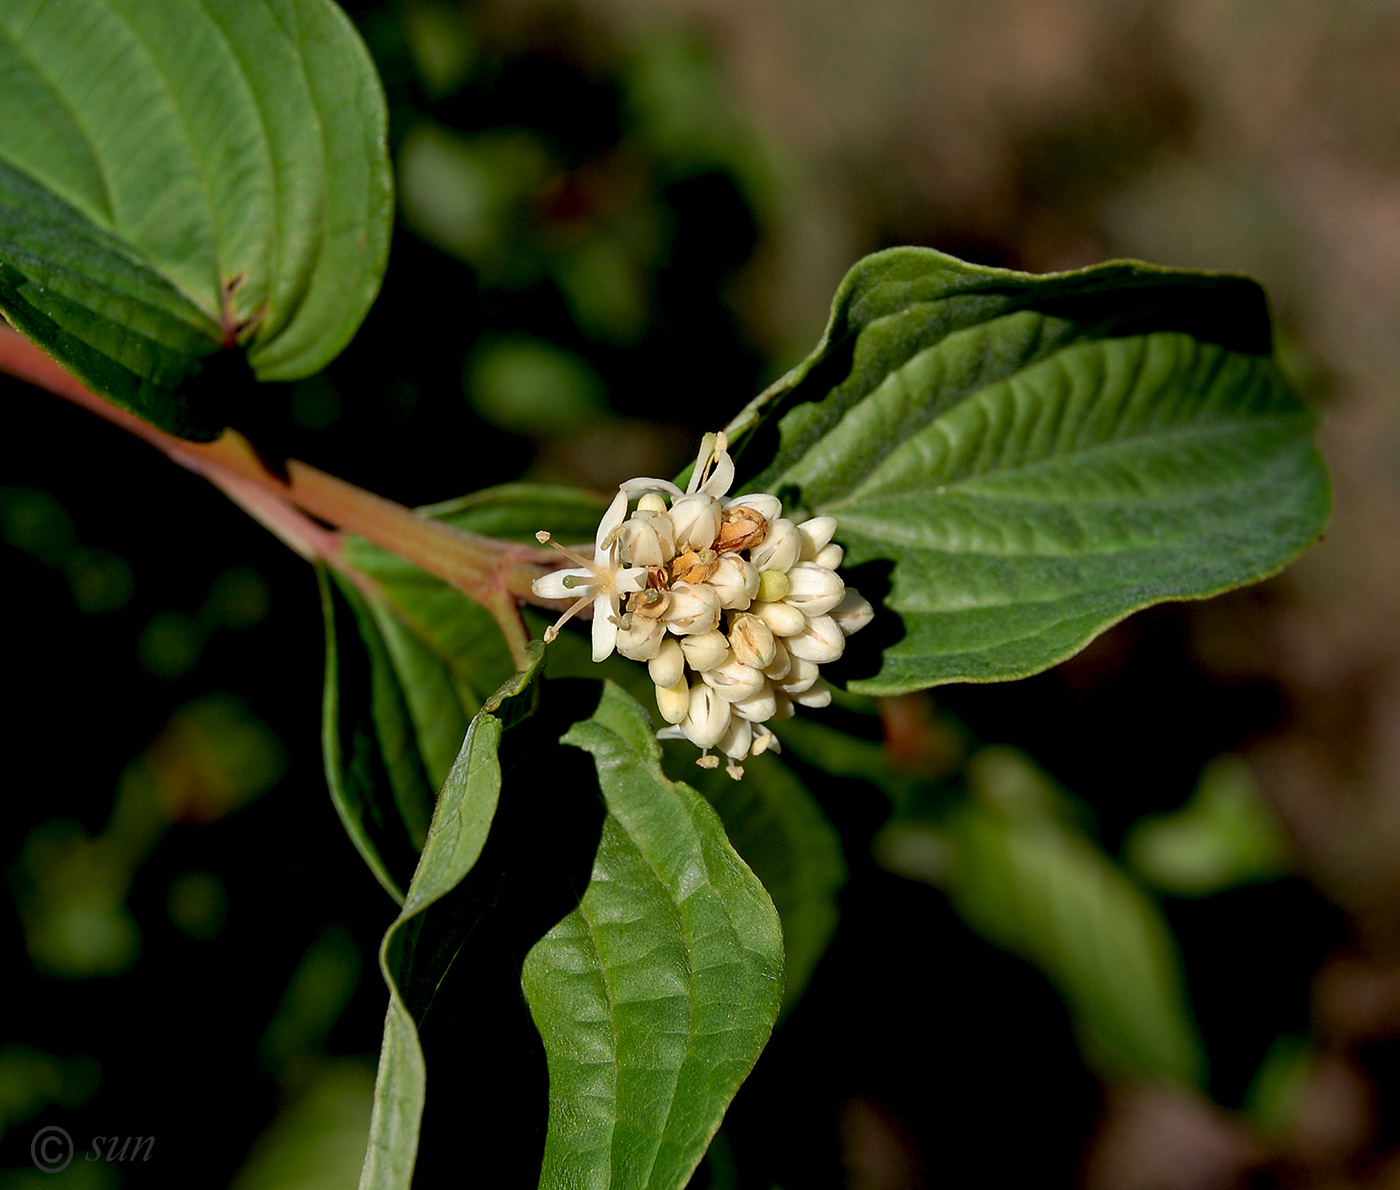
x: 639, y: 638
x: 814, y: 590
x: 694, y: 566
x: 674, y: 701
x: 741, y: 528
x: 768, y: 507
x: 707, y: 718
x: 783, y: 709
x: 782, y: 618
x: 696, y: 521
x: 831, y: 557
x: 780, y: 549
x: 781, y: 663
x: 759, y: 707
x: 752, y: 641
x: 821, y: 641
x: 735, y: 581
x: 648, y: 539
x: 652, y: 502
x: 734, y: 681
x: 737, y: 739
x: 705, y: 650
x: 668, y: 666
x: 802, y: 675
x: 818, y: 696
x: 816, y: 534
x: 772, y: 586
x: 693, y: 609
x: 853, y: 612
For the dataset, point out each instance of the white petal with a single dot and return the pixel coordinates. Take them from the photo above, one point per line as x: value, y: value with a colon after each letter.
x: 853, y: 612
x: 630, y: 579
x: 671, y: 732
x: 723, y: 476
x: 604, y: 630
x: 816, y: 533
x: 634, y: 487
x: 617, y: 511
x: 760, y: 708
x: 668, y: 666
x: 818, y: 696
x: 830, y: 556
x: 737, y: 739
x: 551, y: 586
x: 768, y: 507
x: 822, y: 641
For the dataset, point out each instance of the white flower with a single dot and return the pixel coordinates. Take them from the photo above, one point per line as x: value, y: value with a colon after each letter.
x: 753, y: 641
x: 733, y: 606
x: 816, y: 535
x: 734, y: 681
x: 668, y: 666
x: 735, y: 582
x: 694, y: 608
x: 814, y: 590
x: 821, y: 641
x: 603, y: 580
x: 648, y: 539
x: 853, y: 612
x: 781, y: 548
x: 707, y: 718
x: 705, y: 650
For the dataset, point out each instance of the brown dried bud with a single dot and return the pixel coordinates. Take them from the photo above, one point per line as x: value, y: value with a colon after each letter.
x: 694, y: 566
x: 741, y: 528
x: 658, y: 579
x: 651, y: 603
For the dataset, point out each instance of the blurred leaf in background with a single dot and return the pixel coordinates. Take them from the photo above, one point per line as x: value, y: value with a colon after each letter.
x: 1022, y: 870
x: 213, y: 758
x: 1225, y: 836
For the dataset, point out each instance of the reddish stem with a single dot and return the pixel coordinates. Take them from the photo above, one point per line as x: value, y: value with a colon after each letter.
x: 494, y: 573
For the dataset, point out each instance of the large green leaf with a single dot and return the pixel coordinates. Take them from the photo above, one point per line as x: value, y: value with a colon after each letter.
x: 398, y: 700
x: 1022, y: 874
x: 458, y: 834
x: 1038, y: 456
x: 178, y: 176
x: 778, y: 828
x: 656, y: 995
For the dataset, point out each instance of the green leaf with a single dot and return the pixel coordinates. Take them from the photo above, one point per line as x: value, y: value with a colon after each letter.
x: 177, y: 176
x: 1223, y: 837
x: 1039, y: 456
x: 656, y: 995
x: 398, y: 700
x: 1022, y: 874
x: 778, y: 828
x: 455, y: 841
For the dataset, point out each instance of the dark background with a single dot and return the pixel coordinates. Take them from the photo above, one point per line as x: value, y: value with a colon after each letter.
x: 618, y: 221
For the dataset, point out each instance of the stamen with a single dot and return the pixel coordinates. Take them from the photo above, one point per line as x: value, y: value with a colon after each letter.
x: 707, y: 761
x: 576, y: 580
x: 553, y: 630
x: 568, y: 553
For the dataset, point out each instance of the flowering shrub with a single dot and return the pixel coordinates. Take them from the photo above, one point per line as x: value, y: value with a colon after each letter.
x: 1018, y: 461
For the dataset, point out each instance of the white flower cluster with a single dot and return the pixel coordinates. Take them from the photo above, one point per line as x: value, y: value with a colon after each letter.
x: 732, y: 606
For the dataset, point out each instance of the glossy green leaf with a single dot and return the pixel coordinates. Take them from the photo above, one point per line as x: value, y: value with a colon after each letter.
x: 1039, y: 456
x: 656, y: 995
x: 1225, y: 836
x: 778, y: 828
x: 460, y: 825
x: 1023, y: 875
x: 399, y: 698
x: 178, y: 176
